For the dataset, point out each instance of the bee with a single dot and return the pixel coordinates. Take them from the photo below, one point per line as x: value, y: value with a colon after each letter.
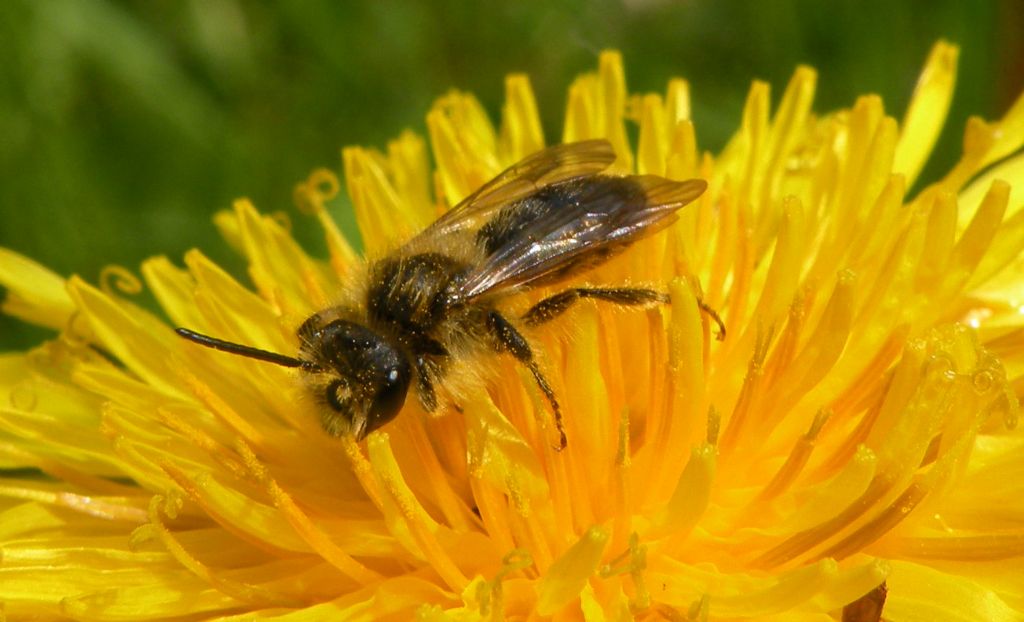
x: 440, y: 296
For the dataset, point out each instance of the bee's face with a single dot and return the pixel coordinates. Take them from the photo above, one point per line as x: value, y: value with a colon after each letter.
x: 362, y: 378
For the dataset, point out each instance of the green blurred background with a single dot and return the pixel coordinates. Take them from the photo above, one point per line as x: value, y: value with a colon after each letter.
x: 125, y: 125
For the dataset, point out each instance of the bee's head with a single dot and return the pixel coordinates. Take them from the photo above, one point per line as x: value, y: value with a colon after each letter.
x: 360, y: 375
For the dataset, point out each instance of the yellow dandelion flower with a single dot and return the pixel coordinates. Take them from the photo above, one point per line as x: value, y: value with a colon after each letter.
x: 852, y: 445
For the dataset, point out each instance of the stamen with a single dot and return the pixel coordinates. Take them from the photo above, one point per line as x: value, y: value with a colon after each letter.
x: 659, y: 378
x: 253, y: 521
x: 633, y: 561
x: 865, y: 389
x: 795, y: 461
x: 622, y: 501
x: 891, y: 516
x: 493, y: 512
x: 821, y: 353
x: 453, y: 508
x: 421, y: 526
x: 802, y: 542
x: 223, y: 411
x: 749, y: 393
x: 244, y: 592
x: 490, y: 594
x: 528, y: 523
x: 363, y: 471
x: 310, y: 197
x: 304, y: 526
x: 118, y: 278
x: 202, y: 440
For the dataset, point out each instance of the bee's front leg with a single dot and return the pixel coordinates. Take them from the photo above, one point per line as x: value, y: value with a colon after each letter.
x: 424, y: 385
x: 510, y: 340
x: 429, y: 357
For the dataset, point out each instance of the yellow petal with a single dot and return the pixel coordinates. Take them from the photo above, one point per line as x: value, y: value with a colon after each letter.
x: 521, y: 132
x: 34, y: 293
x: 570, y: 572
x: 918, y: 593
x: 927, y: 111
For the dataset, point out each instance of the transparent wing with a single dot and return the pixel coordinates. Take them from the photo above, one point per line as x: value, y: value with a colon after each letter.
x: 549, y: 166
x: 570, y: 227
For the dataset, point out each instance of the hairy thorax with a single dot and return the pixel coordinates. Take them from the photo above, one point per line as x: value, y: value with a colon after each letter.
x: 413, y: 294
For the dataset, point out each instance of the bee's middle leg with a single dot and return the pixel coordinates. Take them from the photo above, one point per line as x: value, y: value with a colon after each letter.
x: 511, y: 340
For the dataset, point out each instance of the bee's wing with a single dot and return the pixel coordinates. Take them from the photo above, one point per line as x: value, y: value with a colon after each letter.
x: 606, y: 215
x: 549, y: 166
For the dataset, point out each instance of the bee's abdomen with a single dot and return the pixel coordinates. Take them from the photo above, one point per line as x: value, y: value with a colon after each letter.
x: 413, y: 293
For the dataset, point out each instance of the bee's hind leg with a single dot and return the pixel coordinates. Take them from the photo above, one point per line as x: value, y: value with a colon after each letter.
x: 553, y: 306
x: 511, y: 340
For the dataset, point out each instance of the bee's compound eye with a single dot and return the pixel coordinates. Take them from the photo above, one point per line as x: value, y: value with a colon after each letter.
x: 391, y: 396
x: 337, y: 396
x: 308, y: 330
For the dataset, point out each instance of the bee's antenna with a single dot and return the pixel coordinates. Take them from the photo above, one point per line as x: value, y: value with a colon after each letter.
x: 246, y: 351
